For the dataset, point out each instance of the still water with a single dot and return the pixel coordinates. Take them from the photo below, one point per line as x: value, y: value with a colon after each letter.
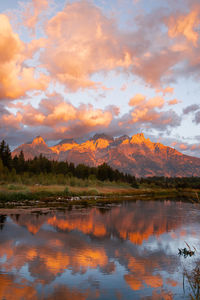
x: 128, y: 251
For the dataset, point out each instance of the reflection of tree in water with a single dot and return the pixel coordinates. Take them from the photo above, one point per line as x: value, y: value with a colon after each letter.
x: 193, y: 278
x: 2, y: 221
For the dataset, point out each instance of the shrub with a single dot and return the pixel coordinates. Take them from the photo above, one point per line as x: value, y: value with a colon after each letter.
x: 66, y: 191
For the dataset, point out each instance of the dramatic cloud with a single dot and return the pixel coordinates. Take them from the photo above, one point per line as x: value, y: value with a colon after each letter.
x: 137, y: 99
x: 79, y: 47
x: 82, y: 41
x: 185, y: 25
x: 183, y: 29
x: 32, y: 12
x: 195, y: 110
x: 56, y: 118
x: 168, y: 90
x: 187, y: 148
x: 197, y: 118
x: 145, y: 112
x: 191, y: 108
x: 15, y: 77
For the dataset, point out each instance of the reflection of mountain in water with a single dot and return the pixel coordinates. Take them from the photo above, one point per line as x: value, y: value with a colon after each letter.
x: 136, y: 225
x: 136, y: 245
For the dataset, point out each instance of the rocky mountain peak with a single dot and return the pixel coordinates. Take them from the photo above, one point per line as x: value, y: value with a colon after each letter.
x: 138, y: 138
x: 66, y: 141
x: 102, y: 136
x: 136, y: 155
x: 38, y: 141
x: 122, y: 139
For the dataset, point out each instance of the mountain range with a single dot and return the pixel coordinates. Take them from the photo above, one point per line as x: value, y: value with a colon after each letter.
x: 135, y: 155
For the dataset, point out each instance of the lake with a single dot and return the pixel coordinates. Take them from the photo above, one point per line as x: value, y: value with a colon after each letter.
x: 126, y: 251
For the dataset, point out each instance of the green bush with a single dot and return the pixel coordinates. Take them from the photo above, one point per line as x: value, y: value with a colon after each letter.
x: 66, y: 191
x: 13, y: 187
x: 72, y: 181
x: 93, y: 192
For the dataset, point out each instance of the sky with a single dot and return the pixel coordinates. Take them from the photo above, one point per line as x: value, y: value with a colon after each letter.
x: 70, y: 69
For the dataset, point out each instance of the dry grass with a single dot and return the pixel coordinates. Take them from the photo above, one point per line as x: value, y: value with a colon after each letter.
x: 102, y: 189
x: 193, y: 279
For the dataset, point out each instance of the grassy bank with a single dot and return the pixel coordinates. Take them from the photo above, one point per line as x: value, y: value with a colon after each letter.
x: 20, y: 195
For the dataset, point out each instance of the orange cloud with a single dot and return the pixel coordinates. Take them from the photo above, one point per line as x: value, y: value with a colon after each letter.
x: 11, y: 120
x: 137, y: 99
x: 167, y: 90
x: 15, y: 78
x: 140, y: 101
x: 33, y: 11
x: 144, y: 109
x: 92, y: 118
x: 173, y: 102
x: 81, y: 42
x: 192, y: 149
x: 57, y: 115
x: 183, y: 147
x: 185, y: 25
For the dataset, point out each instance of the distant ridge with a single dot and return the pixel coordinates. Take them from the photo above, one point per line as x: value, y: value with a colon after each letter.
x: 66, y: 141
x: 102, y: 136
x: 135, y: 155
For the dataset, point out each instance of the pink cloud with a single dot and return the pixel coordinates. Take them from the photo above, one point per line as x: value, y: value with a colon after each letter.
x: 138, y: 99
x: 190, y: 149
x: 146, y: 113
x: 173, y: 102
x: 183, y: 147
x: 59, y: 117
x: 33, y: 11
x: 143, y: 108
x: 185, y: 25
x: 82, y: 41
x: 15, y: 77
x: 167, y: 90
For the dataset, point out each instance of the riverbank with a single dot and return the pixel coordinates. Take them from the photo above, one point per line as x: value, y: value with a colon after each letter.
x: 24, y: 196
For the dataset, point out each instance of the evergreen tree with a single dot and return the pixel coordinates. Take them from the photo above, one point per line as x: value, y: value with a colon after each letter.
x: 5, y: 155
x: 21, y: 162
x: 2, y: 150
x: 1, y: 169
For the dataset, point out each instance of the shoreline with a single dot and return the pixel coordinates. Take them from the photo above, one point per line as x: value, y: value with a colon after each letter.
x: 45, y: 198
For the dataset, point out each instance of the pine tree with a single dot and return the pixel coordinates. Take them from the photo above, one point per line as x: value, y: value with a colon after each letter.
x: 1, y: 168
x: 8, y: 157
x: 2, y: 149
x: 5, y: 155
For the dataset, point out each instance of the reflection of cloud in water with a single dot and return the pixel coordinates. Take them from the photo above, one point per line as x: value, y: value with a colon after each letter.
x: 11, y: 290
x: 136, y: 236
